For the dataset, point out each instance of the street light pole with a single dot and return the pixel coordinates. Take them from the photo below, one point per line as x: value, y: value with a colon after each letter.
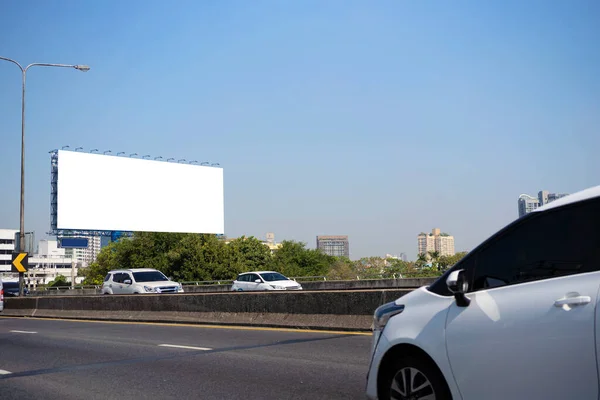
x: 83, y: 68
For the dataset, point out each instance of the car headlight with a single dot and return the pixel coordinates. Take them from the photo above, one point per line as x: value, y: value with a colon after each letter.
x: 180, y: 288
x: 277, y: 287
x: 383, y: 314
x: 148, y: 289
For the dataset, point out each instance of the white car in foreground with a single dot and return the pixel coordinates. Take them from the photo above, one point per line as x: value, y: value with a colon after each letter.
x: 517, y: 318
x: 138, y: 281
x: 263, y: 280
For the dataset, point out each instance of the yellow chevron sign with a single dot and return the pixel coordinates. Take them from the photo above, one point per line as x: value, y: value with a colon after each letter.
x: 20, y: 262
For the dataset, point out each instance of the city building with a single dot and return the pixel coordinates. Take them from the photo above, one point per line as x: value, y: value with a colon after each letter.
x: 8, y: 245
x: 271, y: 243
x: 527, y: 203
x: 87, y: 255
x: 337, y: 246
x: 45, y: 265
x: 50, y: 262
x: 442, y: 243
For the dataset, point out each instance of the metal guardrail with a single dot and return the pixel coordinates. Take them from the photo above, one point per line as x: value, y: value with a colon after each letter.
x: 76, y: 287
x: 230, y: 282
x: 200, y: 283
x: 318, y: 278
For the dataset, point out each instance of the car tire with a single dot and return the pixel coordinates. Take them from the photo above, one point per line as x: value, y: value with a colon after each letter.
x: 413, y: 377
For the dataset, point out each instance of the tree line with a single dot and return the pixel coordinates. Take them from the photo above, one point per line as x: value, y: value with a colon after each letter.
x: 205, y: 257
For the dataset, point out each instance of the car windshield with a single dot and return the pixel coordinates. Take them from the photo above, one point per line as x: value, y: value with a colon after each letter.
x: 273, y: 276
x: 149, y: 276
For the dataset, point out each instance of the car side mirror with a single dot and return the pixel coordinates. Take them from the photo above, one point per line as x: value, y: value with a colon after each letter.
x: 127, y: 281
x: 258, y: 281
x: 458, y: 286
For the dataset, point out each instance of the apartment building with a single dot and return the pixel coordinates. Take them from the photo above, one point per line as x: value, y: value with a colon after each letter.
x: 438, y: 241
x: 527, y: 203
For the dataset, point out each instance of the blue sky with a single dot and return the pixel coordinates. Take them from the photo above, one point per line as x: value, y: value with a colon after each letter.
x: 378, y: 120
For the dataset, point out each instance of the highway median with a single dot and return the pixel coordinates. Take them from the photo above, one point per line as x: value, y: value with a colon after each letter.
x: 350, y: 310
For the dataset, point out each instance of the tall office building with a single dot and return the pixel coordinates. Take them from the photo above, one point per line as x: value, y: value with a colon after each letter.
x: 337, y: 246
x: 443, y: 243
x: 527, y: 203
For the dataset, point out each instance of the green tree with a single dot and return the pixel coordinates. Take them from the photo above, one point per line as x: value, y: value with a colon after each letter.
x: 248, y: 254
x: 421, y: 260
x: 446, y: 262
x: 341, y: 269
x: 434, y: 257
x: 294, y: 259
x: 60, y: 280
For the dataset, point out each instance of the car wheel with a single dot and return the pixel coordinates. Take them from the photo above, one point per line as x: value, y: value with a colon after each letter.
x: 414, y: 378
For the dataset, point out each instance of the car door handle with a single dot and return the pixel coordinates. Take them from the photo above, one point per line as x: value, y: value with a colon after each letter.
x: 573, y: 301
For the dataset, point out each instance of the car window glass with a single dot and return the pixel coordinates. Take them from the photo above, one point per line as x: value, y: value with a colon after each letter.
x: 107, y: 277
x: 253, y: 277
x: 554, y: 243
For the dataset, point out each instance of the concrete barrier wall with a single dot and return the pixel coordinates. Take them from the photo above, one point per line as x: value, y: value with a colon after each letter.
x: 343, y: 310
x: 314, y: 285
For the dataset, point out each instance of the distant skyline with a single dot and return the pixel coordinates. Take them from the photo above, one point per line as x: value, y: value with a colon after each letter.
x: 373, y: 120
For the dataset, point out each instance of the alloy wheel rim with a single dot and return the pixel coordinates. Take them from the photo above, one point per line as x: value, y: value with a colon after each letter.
x: 409, y: 383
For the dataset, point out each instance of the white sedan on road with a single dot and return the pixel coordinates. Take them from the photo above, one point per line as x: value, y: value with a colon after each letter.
x: 263, y: 280
x: 138, y: 281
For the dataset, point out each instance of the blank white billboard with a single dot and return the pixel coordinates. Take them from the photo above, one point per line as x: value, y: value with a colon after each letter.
x: 100, y: 192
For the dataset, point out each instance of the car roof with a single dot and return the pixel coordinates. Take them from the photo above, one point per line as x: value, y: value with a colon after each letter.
x: 260, y: 272
x: 133, y: 270
x: 582, y: 195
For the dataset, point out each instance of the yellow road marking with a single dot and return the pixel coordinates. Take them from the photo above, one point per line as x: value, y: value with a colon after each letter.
x: 232, y: 327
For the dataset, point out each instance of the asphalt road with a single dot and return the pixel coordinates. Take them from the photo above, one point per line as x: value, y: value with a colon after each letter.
x: 57, y: 359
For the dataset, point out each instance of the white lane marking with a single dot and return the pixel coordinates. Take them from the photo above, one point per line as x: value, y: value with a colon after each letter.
x: 23, y: 332
x: 3, y: 372
x: 185, y: 347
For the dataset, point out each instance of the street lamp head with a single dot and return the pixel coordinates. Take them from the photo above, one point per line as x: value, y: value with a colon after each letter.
x: 204, y: 163
x: 84, y: 68
x: 78, y: 148
x: 121, y: 152
x: 65, y: 147
x: 107, y: 151
x: 93, y: 150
